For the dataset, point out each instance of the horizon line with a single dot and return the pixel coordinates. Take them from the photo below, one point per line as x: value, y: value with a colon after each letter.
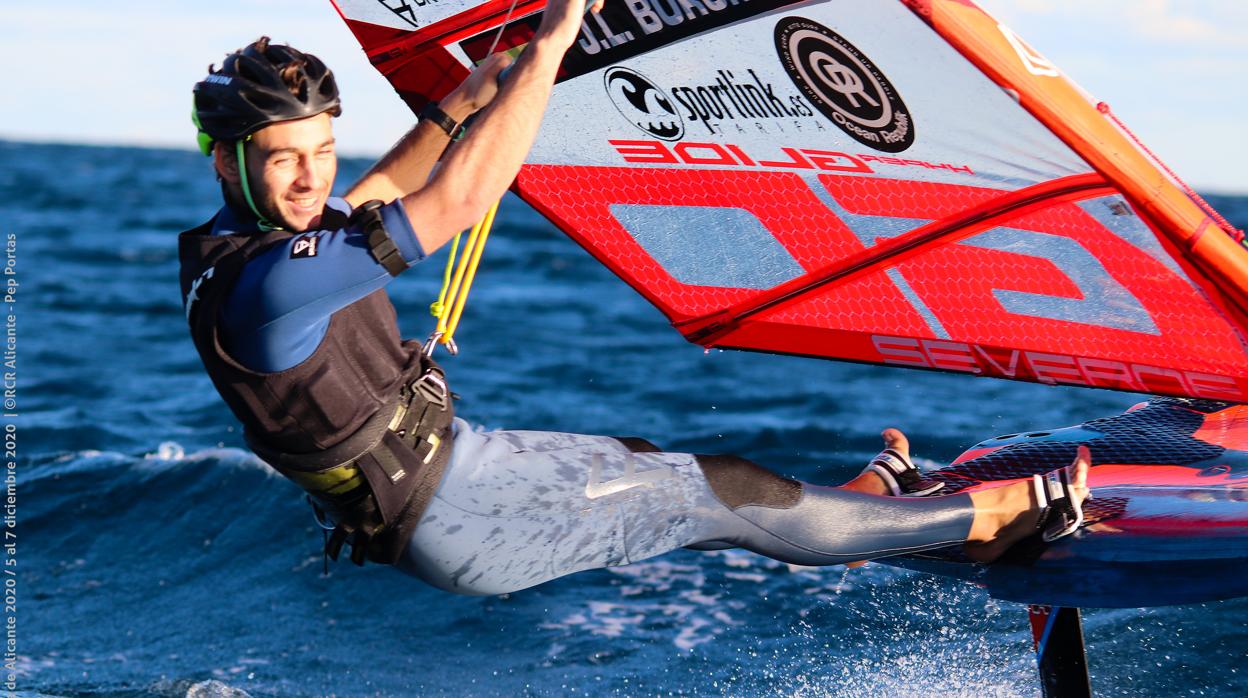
x: 169, y: 145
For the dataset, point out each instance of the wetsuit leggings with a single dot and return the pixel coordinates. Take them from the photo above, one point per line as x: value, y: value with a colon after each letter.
x: 518, y: 508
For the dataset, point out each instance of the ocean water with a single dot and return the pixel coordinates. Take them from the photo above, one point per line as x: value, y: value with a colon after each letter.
x: 157, y: 557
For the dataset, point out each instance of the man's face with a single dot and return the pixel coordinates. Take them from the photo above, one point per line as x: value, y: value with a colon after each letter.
x: 291, y: 167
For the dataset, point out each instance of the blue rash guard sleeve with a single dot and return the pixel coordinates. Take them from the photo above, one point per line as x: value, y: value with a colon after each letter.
x: 280, y: 307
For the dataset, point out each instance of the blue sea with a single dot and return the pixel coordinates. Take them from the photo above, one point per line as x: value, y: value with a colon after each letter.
x: 155, y: 556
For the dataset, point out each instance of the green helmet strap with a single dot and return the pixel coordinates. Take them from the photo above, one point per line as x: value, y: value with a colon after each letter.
x: 264, y: 222
x: 201, y: 136
x: 205, y: 146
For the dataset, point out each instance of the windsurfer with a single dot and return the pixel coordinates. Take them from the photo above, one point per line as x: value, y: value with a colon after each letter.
x: 284, y: 292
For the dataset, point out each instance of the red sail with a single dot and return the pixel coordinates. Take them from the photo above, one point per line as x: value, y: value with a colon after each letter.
x: 907, y: 184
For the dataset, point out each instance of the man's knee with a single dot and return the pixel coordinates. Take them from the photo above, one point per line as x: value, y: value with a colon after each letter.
x: 739, y: 482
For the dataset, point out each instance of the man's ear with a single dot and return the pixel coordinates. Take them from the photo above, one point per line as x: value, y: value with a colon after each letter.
x: 226, y: 162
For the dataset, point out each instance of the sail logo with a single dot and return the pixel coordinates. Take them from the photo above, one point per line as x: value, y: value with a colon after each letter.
x: 1032, y: 60
x: 733, y: 98
x: 732, y: 155
x: 643, y: 103
x: 844, y: 85
x: 403, y: 8
x: 1051, y: 369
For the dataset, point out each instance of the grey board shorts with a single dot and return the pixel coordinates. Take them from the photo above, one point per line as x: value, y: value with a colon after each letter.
x: 517, y: 508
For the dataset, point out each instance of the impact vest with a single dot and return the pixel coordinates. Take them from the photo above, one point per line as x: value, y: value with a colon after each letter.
x: 363, y: 424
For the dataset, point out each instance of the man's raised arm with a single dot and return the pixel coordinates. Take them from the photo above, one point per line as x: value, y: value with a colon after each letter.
x: 478, y: 170
x: 406, y: 167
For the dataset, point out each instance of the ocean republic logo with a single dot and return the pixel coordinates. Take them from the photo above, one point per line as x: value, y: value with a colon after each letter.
x: 844, y: 85
x: 643, y: 103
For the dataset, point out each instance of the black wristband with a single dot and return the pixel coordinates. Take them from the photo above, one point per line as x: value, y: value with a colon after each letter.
x: 434, y: 113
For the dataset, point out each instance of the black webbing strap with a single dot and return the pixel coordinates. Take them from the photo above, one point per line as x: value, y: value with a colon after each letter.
x: 367, y: 217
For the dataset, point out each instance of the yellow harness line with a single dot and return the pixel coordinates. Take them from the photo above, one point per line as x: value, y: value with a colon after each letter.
x: 449, y: 307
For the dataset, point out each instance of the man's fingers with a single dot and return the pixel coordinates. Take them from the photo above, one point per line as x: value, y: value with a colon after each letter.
x: 497, y: 63
x: 596, y: 7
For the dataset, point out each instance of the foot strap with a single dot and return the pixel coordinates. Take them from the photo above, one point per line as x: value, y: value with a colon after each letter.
x: 901, y: 475
x: 1058, y: 514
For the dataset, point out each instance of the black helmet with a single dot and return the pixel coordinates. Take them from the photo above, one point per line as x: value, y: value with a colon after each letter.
x: 259, y: 85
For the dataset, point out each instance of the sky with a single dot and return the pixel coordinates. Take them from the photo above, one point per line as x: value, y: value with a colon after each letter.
x: 1175, y: 71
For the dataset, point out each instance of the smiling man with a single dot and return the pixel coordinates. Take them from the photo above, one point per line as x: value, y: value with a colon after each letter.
x: 295, y: 193
x: 284, y: 294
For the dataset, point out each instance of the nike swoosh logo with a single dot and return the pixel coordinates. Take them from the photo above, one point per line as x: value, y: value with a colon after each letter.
x: 631, y: 478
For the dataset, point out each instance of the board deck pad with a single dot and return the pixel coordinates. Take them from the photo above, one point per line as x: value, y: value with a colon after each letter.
x: 1167, y: 524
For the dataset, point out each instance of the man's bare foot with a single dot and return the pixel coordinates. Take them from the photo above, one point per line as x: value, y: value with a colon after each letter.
x: 1007, y: 514
x: 873, y: 483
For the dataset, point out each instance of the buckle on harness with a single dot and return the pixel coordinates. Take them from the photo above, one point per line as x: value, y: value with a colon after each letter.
x: 432, y: 388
